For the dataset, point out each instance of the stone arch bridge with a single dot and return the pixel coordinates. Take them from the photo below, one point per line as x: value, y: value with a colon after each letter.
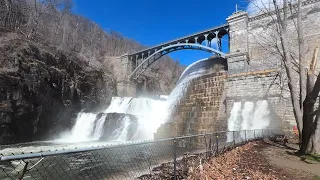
x: 136, y: 63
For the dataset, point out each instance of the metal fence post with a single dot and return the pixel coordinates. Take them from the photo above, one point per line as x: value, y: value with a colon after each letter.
x: 254, y: 134
x: 217, y: 142
x: 262, y: 134
x: 234, y: 138
x: 175, y: 159
x: 245, y: 135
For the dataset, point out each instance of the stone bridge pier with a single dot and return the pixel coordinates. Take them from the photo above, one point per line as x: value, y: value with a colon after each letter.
x: 125, y: 86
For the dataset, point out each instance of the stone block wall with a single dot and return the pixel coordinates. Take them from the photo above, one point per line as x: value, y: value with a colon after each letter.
x: 254, y: 65
x: 261, y: 85
x: 209, y: 99
x: 199, y: 111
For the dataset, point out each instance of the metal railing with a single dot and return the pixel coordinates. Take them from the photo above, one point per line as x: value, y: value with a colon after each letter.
x: 164, y: 159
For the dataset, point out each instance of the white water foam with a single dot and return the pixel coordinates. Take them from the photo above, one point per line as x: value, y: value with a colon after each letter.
x: 234, y: 121
x: 249, y: 116
x: 83, y: 128
x: 99, y: 128
x: 121, y: 133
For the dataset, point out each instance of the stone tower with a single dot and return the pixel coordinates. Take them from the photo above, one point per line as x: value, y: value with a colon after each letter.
x: 238, y: 33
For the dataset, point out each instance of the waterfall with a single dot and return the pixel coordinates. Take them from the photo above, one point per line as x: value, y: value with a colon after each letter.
x: 121, y: 133
x: 84, y: 126
x: 234, y: 121
x: 99, y: 127
x: 261, y: 117
x: 248, y: 116
x: 150, y: 113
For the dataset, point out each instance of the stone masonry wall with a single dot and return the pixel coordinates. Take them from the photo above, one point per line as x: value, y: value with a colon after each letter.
x: 261, y: 85
x: 255, y: 70
x: 199, y: 111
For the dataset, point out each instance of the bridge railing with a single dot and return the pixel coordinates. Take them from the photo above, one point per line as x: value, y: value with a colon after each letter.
x: 161, y: 159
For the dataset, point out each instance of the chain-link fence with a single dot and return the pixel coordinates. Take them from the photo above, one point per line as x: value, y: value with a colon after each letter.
x: 167, y: 159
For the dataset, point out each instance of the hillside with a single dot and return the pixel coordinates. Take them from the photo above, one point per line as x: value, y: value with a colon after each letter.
x: 54, y: 64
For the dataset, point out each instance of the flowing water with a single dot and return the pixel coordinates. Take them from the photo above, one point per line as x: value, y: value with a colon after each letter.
x: 249, y: 115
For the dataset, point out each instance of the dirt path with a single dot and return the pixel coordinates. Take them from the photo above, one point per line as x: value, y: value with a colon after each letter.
x: 257, y: 160
x: 283, y: 156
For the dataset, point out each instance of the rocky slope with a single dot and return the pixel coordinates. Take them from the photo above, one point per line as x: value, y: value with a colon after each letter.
x: 42, y: 89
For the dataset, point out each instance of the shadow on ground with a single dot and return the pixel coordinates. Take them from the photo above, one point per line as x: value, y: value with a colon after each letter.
x: 293, y: 149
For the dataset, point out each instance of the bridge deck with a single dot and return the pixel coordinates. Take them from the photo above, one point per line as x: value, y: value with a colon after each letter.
x: 208, y: 34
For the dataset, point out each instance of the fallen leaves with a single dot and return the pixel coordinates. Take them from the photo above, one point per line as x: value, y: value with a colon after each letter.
x: 245, y: 162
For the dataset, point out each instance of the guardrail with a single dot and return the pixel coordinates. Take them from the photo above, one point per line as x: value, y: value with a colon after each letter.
x: 125, y: 161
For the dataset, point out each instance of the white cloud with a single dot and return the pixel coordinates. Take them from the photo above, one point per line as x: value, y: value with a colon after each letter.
x: 259, y: 6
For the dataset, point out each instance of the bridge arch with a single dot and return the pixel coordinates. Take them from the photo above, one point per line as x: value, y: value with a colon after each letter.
x: 148, y: 61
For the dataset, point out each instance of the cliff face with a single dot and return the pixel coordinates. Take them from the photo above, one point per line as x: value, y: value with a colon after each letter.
x: 41, y: 90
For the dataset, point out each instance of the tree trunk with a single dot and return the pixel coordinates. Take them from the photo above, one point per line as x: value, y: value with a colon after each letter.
x: 295, y: 98
x: 314, y: 143
x: 302, y: 60
x: 308, y: 105
x: 311, y: 137
x: 311, y: 127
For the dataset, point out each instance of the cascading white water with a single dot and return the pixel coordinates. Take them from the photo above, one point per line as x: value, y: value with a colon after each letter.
x: 150, y: 113
x: 121, y: 133
x: 99, y: 127
x: 234, y: 121
x: 261, y: 117
x: 83, y: 128
x: 248, y: 116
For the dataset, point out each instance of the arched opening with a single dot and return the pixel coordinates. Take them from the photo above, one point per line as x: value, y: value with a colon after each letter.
x: 175, y: 47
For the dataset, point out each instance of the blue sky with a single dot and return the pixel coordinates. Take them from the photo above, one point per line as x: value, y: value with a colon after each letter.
x: 151, y: 22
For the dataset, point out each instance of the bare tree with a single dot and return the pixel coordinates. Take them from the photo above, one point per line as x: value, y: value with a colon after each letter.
x: 288, y: 43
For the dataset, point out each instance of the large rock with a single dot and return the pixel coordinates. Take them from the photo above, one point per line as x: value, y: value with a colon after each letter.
x: 41, y: 90
x: 115, y: 124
